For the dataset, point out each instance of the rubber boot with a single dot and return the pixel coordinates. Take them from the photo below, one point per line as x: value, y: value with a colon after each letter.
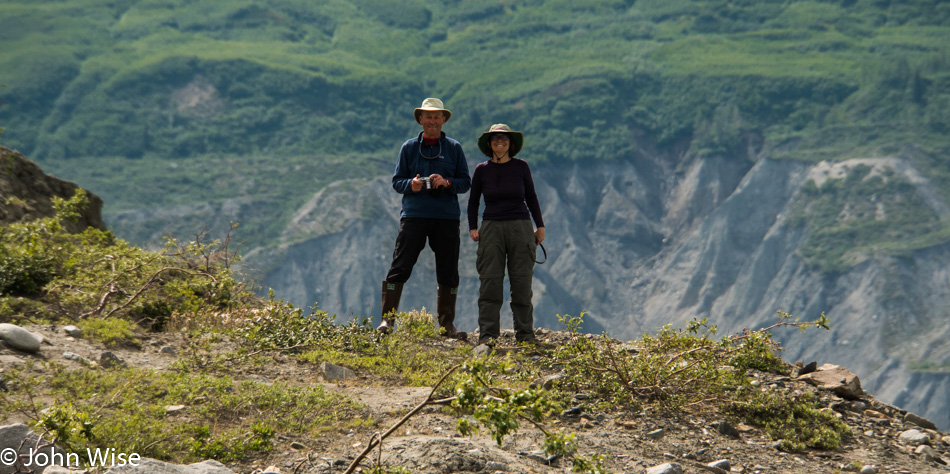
x: 392, y: 291
x: 445, y: 307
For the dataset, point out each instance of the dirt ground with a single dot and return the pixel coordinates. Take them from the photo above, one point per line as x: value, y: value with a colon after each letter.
x: 429, y: 442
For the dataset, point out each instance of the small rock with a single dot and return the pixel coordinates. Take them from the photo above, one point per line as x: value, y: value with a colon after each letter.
x: 723, y: 427
x: 723, y: 464
x: 19, y: 338
x: 808, y: 368
x: 73, y: 331
x: 259, y: 379
x: 168, y: 350
x: 914, y: 437
x: 492, y: 466
x: 926, y: 452
x: 335, y: 373
x: 668, y: 468
x: 76, y: 357
x: 573, y: 412
x: 546, y: 383
x: 174, y: 409
x: 539, y: 457
x: 109, y: 360
x: 759, y: 467
x: 875, y: 414
x: 482, y: 350
x: 919, y: 421
x: 656, y: 434
x: 298, y: 446
x: 868, y: 470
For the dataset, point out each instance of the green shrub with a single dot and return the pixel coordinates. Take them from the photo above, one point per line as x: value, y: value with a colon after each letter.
x: 110, y: 331
x: 676, y: 369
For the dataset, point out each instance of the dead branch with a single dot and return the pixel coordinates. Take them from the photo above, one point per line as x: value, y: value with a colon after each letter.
x: 377, y: 440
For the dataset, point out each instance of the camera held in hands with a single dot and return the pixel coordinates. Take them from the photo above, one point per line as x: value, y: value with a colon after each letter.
x: 426, y: 182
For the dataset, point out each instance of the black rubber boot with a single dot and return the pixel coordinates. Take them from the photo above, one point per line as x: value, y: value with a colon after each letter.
x: 445, y: 308
x: 391, y: 292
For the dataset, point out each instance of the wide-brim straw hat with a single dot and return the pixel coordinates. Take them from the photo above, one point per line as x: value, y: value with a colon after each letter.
x: 431, y: 104
x: 515, y: 139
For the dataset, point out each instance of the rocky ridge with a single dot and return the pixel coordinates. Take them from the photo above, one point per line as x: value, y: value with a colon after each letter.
x: 886, y: 439
x: 26, y: 192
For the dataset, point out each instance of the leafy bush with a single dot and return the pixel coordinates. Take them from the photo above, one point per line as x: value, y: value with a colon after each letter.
x: 687, y: 368
x: 94, y: 275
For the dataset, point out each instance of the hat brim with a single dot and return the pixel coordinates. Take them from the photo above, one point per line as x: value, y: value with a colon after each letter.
x: 418, y: 112
x: 516, y: 139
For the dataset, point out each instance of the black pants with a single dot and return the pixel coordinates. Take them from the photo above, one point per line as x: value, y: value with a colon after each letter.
x: 443, y: 237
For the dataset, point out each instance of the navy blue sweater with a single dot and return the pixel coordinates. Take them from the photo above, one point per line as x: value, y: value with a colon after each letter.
x: 445, y: 158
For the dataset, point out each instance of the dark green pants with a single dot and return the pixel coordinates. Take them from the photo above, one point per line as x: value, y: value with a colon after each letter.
x: 501, y: 245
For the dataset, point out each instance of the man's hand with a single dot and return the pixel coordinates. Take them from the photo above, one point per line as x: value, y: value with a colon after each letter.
x: 416, y: 184
x: 539, y: 235
x: 473, y: 234
x: 438, y: 181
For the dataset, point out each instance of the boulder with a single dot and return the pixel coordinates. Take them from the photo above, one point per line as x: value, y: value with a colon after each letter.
x: 837, y: 379
x: 914, y: 437
x: 919, y: 421
x: 19, y: 338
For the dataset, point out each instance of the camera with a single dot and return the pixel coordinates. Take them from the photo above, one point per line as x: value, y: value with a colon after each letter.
x: 426, y: 182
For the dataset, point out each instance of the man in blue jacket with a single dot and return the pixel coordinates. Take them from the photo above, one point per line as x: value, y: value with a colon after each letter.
x: 430, y: 174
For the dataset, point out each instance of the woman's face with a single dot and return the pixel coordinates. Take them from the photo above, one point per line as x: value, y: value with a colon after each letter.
x: 500, y: 143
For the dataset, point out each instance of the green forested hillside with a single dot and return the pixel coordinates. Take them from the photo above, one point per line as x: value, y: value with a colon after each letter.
x: 114, y: 93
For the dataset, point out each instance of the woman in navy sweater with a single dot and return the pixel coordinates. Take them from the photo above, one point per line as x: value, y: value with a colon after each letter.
x: 506, y: 237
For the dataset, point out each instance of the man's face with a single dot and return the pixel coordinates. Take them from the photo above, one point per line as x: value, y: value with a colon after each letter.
x: 432, y: 121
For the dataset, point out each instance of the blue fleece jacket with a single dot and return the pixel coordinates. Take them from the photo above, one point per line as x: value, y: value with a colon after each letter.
x: 445, y: 158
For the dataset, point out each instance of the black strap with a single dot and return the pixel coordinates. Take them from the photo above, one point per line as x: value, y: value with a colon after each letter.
x: 545, y: 252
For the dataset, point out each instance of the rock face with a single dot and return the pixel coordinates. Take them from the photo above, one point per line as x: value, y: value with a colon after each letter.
x: 642, y: 242
x: 27, y: 193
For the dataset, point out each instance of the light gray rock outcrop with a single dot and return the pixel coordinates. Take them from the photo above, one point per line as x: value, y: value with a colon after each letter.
x: 152, y: 466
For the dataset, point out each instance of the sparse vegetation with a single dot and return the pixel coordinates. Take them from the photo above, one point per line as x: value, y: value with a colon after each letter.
x: 197, y: 409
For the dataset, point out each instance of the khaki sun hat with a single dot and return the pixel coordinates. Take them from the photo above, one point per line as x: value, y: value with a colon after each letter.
x: 516, y: 139
x: 432, y: 104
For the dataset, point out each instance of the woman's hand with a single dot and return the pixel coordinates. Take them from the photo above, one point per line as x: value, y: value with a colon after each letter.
x: 539, y: 235
x: 473, y: 234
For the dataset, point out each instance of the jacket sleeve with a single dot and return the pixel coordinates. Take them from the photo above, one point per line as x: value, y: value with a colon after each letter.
x: 403, y: 174
x: 474, y: 199
x: 461, y: 181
